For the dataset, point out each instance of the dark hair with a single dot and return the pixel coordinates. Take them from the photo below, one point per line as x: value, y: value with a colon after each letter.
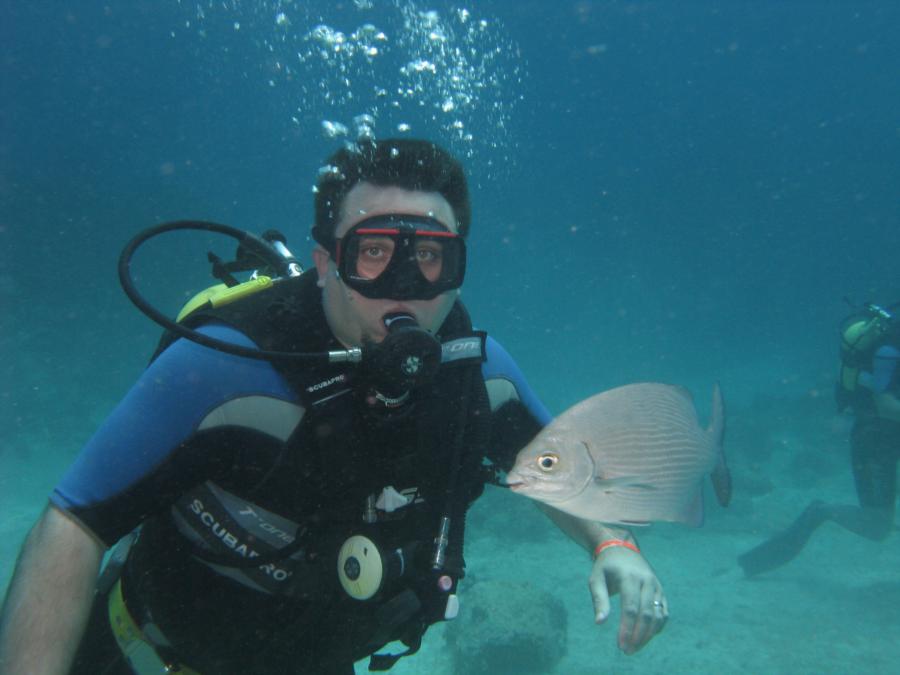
x: 405, y: 163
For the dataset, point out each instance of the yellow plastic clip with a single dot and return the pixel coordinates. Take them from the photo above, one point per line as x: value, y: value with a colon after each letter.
x: 234, y: 293
x: 220, y: 294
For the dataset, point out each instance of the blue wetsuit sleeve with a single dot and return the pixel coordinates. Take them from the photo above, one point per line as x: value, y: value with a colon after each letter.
x: 160, y: 413
x: 517, y: 414
x: 500, y: 365
x: 885, y: 370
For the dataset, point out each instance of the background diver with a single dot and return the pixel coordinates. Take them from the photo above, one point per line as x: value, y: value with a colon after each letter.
x: 868, y: 385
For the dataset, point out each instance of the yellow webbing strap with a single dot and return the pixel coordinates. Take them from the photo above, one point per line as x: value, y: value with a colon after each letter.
x: 137, y: 649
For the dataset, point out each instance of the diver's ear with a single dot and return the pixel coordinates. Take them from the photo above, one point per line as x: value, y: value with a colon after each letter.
x: 321, y: 258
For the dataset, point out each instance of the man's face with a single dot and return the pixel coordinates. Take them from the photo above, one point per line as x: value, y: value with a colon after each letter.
x: 353, y: 317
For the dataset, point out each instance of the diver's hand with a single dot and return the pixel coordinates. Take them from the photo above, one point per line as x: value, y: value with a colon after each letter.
x: 644, y: 606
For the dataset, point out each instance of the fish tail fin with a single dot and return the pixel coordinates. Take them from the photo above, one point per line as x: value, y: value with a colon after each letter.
x: 721, y: 476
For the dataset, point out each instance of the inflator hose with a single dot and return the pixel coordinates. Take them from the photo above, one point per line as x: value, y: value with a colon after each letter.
x: 246, y: 239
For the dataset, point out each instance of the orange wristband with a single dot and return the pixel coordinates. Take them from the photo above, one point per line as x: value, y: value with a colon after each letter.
x: 603, y: 545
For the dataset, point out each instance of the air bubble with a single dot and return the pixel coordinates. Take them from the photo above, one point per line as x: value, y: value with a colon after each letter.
x: 331, y: 171
x: 334, y: 129
x: 450, y: 77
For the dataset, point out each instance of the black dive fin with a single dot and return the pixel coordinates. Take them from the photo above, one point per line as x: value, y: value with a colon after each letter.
x: 784, y: 546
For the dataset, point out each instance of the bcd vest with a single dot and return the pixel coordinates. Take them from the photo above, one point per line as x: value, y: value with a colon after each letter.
x: 320, y: 487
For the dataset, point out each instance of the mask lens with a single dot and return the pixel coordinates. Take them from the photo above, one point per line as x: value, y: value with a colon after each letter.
x: 429, y: 255
x: 401, y: 257
x: 373, y: 255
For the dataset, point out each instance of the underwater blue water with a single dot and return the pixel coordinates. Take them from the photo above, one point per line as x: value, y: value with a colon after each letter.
x: 683, y: 192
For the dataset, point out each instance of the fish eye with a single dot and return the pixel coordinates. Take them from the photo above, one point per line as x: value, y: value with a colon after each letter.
x: 547, y: 461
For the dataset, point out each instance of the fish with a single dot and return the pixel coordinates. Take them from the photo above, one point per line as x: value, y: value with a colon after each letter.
x: 628, y: 456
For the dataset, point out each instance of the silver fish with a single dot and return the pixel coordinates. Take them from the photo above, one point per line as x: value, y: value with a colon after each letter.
x: 630, y: 455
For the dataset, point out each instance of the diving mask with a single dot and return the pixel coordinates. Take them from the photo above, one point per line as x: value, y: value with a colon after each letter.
x: 401, y: 257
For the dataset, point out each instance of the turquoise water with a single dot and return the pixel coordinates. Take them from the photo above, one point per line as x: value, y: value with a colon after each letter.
x: 683, y: 192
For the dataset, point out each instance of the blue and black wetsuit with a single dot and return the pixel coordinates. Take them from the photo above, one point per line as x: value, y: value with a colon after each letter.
x: 875, y: 440
x: 246, y: 476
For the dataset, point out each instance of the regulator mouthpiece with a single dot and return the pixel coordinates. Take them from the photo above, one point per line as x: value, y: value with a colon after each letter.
x: 407, y: 358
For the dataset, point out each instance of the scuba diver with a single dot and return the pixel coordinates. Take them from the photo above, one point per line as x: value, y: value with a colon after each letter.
x: 284, y: 489
x: 868, y: 384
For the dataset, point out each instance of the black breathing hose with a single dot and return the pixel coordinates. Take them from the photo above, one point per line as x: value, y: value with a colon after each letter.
x: 252, y: 243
